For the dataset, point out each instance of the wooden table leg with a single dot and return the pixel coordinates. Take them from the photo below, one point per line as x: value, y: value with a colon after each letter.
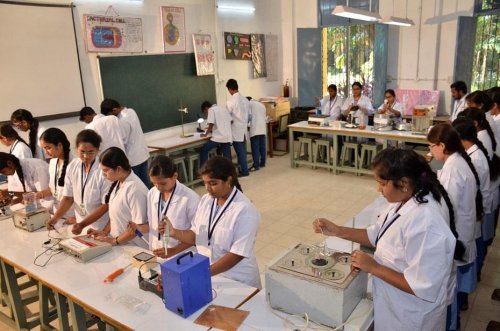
x: 270, y: 138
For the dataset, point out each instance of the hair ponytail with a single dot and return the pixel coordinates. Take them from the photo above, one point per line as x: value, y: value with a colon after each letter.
x: 55, y: 137
x: 108, y: 195
x: 5, y: 158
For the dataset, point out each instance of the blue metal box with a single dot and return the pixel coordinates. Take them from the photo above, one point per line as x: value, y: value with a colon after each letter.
x: 187, y: 283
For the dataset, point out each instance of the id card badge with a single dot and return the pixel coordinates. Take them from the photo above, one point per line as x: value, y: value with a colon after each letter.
x: 81, y: 209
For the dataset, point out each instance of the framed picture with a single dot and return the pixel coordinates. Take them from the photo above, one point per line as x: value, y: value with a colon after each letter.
x: 204, y: 54
x: 174, y: 29
x: 237, y: 46
x: 113, y: 34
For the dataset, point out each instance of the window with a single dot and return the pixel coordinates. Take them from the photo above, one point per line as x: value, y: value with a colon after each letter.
x: 486, y: 64
x: 348, y: 56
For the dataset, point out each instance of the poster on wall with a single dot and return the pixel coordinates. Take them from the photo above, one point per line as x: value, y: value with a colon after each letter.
x: 410, y: 98
x: 237, y: 46
x: 113, y: 34
x: 271, y: 57
x: 258, y: 55
x: 174, y: 29
x: 204, y: 54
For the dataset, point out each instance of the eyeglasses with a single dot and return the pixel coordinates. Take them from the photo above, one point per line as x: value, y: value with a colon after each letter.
x: 86, y: 153
x: 433, y: 145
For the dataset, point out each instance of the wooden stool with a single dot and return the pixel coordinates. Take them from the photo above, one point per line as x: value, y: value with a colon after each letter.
x: 322, y: 155
x: 368, y: 152
x: 305, y: 146
x: 193, y: 161
x: 347, y: 149
x: 178, y: 160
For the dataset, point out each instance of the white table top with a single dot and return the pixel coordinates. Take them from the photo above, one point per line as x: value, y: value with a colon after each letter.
x: 176, y: 142
x: 83, y: 282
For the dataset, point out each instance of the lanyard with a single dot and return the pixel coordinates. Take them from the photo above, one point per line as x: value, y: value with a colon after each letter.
x: 165, y: 209
x: 84, y: 182
x: 217, y: 219
x: 13, y: 146
x: 382, y: 232
x: 332, y: 103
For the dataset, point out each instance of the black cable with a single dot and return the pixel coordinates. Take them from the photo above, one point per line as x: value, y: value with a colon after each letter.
x: 49, y: 247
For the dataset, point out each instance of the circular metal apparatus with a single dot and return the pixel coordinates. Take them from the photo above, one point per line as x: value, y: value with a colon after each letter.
x: 333, y: 274
x: 342, y: 258
x: 322, y: 262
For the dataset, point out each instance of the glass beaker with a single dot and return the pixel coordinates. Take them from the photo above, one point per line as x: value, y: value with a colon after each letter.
x: 29, y: 201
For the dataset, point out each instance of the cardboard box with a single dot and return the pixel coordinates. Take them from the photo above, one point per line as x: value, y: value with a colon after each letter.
x: 275, y: 109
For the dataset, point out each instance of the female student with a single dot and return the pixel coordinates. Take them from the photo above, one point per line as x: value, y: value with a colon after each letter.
x: 461, y: 181
x: 484, y: 132
x: 390, y: 106
x: 23, y: 175
x: 56, y: 145
x: 127, y: 199
x: 414, y: 246
x: 17, y: 146
x: 225, y: 225
x: 84, y: 187
x: 331, y: 103
x: 23, y: 120
x: 168, y: 198
x: 360, y: 104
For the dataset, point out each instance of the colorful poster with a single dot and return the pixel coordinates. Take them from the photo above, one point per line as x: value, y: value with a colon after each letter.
x: 410, y: 98
x: 258, y: 55
x: 237, y: 46
x: 204, y: 54
x: 113, y: 34
x: 174, y: 29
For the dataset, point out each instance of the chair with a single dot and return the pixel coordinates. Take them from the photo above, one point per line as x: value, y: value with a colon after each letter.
x: 281, y: 130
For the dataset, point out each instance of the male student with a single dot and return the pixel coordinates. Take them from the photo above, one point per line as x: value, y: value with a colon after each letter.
x: 458, y: 92
x: 135, y: 144
x: 257, y: 132
x: 219, y: 130
x: 110, y: 128
x: 239, y: 108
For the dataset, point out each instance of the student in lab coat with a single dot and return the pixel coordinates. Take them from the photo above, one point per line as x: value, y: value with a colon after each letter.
x: 331, y: 103
x: 484, y: 131
x: 257, y: 132
x: 23, y: 120
x: 56, y: 146
x: 414, y: 245
x: 127, y: 198
x: 168, y: 198
x: 358, y: 103
x: 17, y: 146
x: 225, y: 225
x: 23, y: 175
x: 85, y: 187
x: 461, y: 181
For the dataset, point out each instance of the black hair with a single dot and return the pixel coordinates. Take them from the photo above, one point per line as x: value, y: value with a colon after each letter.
x: 88, y: 136
x: 113, y: 158
x: 480, y: 98
x: 459, y: 86
x: 446, y: 134
x: 206, y: 104
x: 394, y: 163
x: 7, y: 131
x: 56, y: 136
x: 478, y: 115
x: 219, y: 167
x: 25, y: 115
x: 391, y: 92
x: 232, y: 84
x: 107, y: 106
x: 162, y: 166
x: 333, y: 87
x: 358, y: 84
x: 5, y: 158
x: 86, y: 111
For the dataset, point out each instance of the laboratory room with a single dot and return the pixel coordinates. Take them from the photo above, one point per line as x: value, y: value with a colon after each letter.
x: 249, y: 165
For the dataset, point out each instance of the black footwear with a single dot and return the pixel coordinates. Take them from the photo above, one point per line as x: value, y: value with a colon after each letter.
x: 253, y: 169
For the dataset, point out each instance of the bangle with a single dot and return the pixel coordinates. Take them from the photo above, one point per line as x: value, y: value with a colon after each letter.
x: 116, y: 241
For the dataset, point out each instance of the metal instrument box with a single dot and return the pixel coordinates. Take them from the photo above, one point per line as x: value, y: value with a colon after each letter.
x: 84, y: 248
x: 318, y: 120
x: 187, y: 283
x: 31, y: 221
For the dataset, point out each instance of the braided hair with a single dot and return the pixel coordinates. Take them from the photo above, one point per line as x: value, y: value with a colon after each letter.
x: 394, y: 163
x: 56, y: 136
x: 25, y: 115
x: 446, y: 134
x: 219, y: 167
x: 479, y: 117
x: 5, y: 158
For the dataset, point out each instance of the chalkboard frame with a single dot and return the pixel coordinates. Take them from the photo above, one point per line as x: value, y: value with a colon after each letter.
x: 156, y: 86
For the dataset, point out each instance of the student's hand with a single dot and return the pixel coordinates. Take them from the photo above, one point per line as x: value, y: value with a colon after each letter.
x: 326, y: 227
x: 363, y: 261
x: 105, y: 238
x: 70, y: 220
x: 77, y: 228
x: 95, y: 233
x: 160, y: 252
x: 50, y: 223
x: 131, y: 228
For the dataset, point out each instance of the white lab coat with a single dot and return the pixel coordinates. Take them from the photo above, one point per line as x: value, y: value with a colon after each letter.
x: 20, y: 150
x: 257, y: 118
x: 420, y: 245
x: 331, y: 108
x: 363, y: 102
x: 111, y: 131
x: 52, y: 203
x: 458, y: 107
x: 239, y: 108
x: 96, y: 188
x: 396, y: 106
x: 180, y: 212
x: 221, y: 119
x: 458, y: 180
x: 484, y: 137
x: 480, y: 162
x: 235, y: 232
x: 36, y: 176
x: 39, y: 153
x: 135, y: 146
x: 128, y: 203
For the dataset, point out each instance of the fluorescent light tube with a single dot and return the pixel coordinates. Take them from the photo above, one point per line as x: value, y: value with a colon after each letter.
x: 241, y: 9
x: 356, y: 14
x: 398, y: 21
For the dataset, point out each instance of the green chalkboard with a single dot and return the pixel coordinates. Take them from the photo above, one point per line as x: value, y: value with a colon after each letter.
x: 155, y: 86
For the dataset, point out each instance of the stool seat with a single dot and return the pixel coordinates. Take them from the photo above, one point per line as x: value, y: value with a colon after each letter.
x: 178, y: 160
x: 349, y: 148
x: 322, y: 155
x: 368, y: 152
x: 193, y: 161
x: 305, y: 152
